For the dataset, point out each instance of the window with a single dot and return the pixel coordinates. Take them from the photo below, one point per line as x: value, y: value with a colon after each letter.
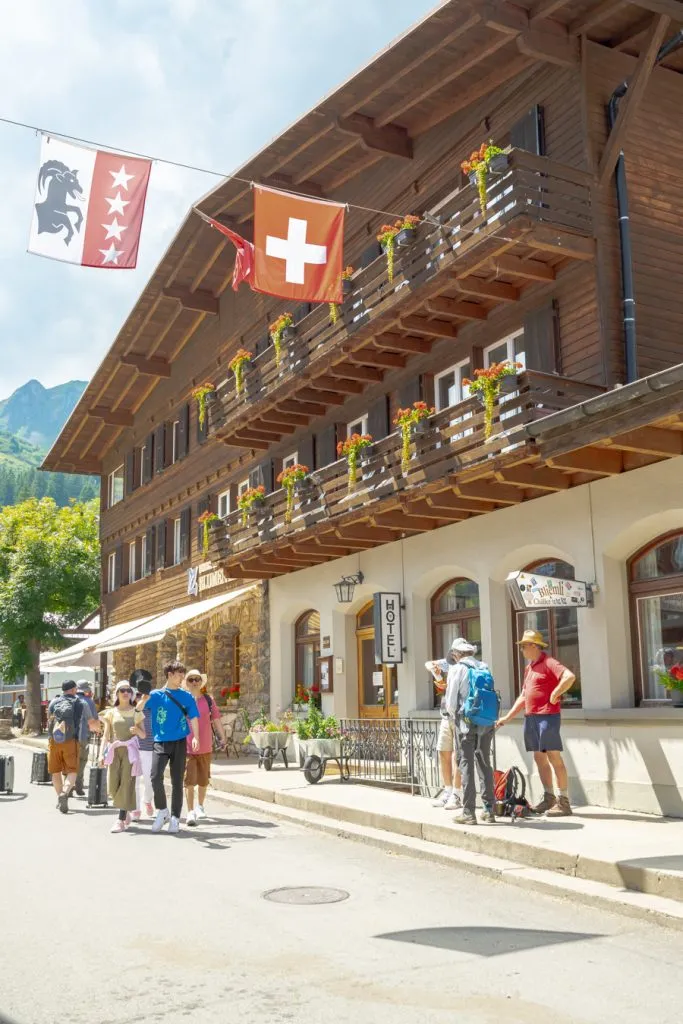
x: 177, y: 534
x: 115, y: 487
x: 455, y: 612
x: 175, y: 440
x: 141, y: 465
x: 290, y: 460
x: 510, y: 348
x: 448, y: 386
x: 307, y: 644
x: 359, y: 426
x: 656, y: 590
x: 224, y: 504
x: 242, y: 486
x: 132, y: 574
x: 111, y: 572
x: 143, y: 555
x: 558, y: 627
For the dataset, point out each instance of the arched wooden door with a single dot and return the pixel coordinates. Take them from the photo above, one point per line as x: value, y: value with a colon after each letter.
x: 377, y: 684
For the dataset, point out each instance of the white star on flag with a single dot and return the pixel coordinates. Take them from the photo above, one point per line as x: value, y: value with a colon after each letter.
x: 117, y: 205
x: 114, y: 230
x: 111, y: 255
x: 120, y: 177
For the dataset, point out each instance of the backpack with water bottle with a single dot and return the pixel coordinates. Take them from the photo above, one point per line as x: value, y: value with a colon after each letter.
x: 481, y: 706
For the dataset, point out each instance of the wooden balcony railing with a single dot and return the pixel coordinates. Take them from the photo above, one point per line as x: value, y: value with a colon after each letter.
x: 451, y: 448
x: 534, y: 200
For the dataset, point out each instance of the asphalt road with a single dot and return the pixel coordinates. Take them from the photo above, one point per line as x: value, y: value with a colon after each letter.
x: 139, y: 928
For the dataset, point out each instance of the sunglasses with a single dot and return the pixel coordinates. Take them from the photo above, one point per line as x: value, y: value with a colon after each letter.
x: 124, y: 689
x: 194, y: 679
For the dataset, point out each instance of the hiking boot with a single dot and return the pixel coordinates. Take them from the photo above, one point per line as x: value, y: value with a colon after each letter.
x: 160, y: 820
x: 549, y: 800
x: 465, y: 818
x: 562, y: 809
x: 63, y: 803
x: 79, y: 791
x: 488, y: 817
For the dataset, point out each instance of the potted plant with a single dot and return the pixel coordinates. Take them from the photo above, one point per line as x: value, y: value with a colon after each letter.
x: 202, y: 394
x: 248, y: 499
x: 488, y: 159
x: 205, y: 519
x: 281, y: 330
x: 289, y: 478
x: 270, y: 738
x: 230, y: 694
x: 672, y: 680
x: 407, y: 420
x: 347, y: 288
x: 319, y: 736
x: 237, y: 366
x: 350, y: 449
x: 487, y: 386
x: 388, y: 237
x: 407, y: 230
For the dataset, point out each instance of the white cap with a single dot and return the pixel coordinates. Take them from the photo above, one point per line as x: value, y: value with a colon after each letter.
x: 463, y: 646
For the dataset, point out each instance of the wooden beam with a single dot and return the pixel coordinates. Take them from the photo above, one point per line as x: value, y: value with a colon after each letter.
x: 503, y: 17
x: 449, y: 499
x: 534, y: 476
x: 288, y: 418
x: 347, y: 387
x: 365, y: 373
x: 317, y: 546
x: 502, y: 494
x: 535, y: 270
x: 199, y: 300
x: 314, y: 394
x: 631, y: 101
x: 496, y: 290
x: 672, y: 8
x: 419, y: 508
x: 648, y: 441
x: 289, y: 184
x: 545, y: 9
x: 391, y: 139
x: 296, y: 405
x: 598, y: 461
x: 600, y: 13
x: 456, y: 307
x: 262, y: 435
x: 549, y: 47
x: 400, y: 343
x: 371, y: 357
x: 240, y: 441
x: 404, y: 523
x: 365, y: 532
x: 578, y: 247
x: 432, y: 328
x: 114, y: 417
x: 154, y: 367
x: 627, y: 37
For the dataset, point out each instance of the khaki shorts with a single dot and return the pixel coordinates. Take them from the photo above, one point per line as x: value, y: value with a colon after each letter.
x: 198, y: 769
x: 62, y: 758
x: 445, y: 742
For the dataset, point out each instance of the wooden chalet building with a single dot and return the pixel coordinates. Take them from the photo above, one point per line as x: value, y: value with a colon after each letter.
x: 582, y: 475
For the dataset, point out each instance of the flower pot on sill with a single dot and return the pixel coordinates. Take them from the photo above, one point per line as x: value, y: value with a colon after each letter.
x: 406, y: 237
x: 498, y: 163
x: 347, y: 286
x: 509, y: 384
x: 676, y: 698
x: 288, y: 334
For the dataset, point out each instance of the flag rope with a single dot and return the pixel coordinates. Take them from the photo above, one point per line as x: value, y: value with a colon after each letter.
x: 193, y: 167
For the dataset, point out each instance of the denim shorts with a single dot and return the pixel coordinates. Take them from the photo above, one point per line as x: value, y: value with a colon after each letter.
x: 542, y: 732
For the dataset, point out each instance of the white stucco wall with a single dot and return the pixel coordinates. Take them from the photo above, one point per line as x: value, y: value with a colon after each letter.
x: 594, y: 528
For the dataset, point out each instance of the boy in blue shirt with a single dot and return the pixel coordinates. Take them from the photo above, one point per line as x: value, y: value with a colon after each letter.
x: 174, y: 715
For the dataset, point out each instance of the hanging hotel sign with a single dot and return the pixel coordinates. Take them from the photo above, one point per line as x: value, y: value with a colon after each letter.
x: 530, y: 591
x: 204, y: 577
x: 388, y: 629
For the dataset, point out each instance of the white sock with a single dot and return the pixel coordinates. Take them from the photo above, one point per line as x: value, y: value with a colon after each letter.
x: 458, y: 793
x: 447, y: 790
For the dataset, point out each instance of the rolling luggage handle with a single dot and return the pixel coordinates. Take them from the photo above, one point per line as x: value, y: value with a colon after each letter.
x: 97, y: 777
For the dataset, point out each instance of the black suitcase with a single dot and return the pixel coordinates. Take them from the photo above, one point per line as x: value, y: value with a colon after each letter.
x: 97, y: 779
x: 39, y: 773
x: 6, y: 773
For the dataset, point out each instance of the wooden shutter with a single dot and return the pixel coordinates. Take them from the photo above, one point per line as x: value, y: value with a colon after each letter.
x: 410, y: 392
x: 378, y: 418
x: 148, y: 459
x: 305, y: 449
x: 150, y: 556
x: 234, y: 495
x: 185, y: 522
x: 325, y: 446
x: 529, y: 132
x: 370, y: 255
x: 168, y: 444
x: 203, y: 505
x: 129, y: 473
x: 160, y: 448
x: 161, y: 530
x: 183, y: 431
x: 118, y: 567
x: 541, y: 339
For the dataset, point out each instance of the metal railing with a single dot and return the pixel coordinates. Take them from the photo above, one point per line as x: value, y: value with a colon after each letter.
x: 397, y: 752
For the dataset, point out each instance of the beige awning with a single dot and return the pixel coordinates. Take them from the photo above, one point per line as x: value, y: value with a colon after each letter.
x: 156, y: 628
x: 70, y: 655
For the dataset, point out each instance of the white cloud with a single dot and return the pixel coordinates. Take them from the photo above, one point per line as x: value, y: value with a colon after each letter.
x: 203, y: 82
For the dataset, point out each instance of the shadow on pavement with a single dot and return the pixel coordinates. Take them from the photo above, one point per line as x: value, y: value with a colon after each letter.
x: 673, y: 862
x: 486, y: 941
x: 10, y: 798
x: 550, y: 825
x: 642, y: 819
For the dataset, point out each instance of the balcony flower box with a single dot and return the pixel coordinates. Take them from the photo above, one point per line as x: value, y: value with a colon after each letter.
x: 509, y: 384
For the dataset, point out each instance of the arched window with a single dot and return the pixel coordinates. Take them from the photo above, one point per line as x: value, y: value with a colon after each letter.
x: 656, y: 590
x: 307, y: 644
x: 558, y: 627
x: 455, y: 612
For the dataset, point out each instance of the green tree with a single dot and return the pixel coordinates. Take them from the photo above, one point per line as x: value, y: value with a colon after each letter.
x: 49, y: 581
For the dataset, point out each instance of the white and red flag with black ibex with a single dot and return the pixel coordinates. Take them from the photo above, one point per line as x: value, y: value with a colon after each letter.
x: 89, y: 206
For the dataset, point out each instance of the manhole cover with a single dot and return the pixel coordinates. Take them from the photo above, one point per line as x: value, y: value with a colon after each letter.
x: 306, y: 895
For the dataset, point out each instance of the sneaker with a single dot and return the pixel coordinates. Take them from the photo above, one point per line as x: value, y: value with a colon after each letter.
x: 549, y: 800
x: 149, y: 810
x: 135, y: 815
x: 454, y: 803
x: 201, y: 813
x: 118, y: 826
x: 191, y: 818
x: 562, y: 808
x: 161, y: 819
x: 63, y: 803
x: 465, y: 819
x: 175, y: 825
x: 488, y: 818
x: 443, y: 798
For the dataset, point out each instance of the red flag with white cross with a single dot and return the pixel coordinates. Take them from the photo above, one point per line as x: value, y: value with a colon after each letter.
x: 299, y: 246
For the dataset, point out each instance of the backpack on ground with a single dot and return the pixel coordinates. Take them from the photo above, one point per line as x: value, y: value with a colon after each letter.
x: 64, y: 720
x: 481, y: 704
x: 510, y: 790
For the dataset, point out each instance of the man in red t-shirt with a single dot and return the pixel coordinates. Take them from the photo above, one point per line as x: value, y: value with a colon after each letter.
x: 545, y: 680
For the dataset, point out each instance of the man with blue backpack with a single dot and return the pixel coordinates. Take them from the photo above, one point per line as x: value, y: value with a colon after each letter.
x: 472, y: 702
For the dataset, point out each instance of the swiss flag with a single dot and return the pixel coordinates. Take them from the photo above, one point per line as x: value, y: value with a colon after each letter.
x: 299, y: 246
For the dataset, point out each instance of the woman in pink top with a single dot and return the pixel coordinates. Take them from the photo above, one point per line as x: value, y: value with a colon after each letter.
x: 198, y: 764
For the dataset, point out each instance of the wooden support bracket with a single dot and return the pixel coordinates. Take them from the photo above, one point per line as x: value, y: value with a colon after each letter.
x: 391, y: 139
x: 199, y: 300
x: 153, y: 367
x: 114, y: 417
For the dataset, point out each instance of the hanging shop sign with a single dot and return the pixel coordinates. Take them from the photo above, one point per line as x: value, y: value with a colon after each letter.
x: 388, y: 629
x: 530, y: 591
x: 204, y: 577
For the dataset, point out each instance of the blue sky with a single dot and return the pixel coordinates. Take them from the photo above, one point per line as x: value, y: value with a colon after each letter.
x: 206, y: 82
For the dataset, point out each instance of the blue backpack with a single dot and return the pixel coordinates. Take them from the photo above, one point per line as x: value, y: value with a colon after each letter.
x: 481, y: 705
